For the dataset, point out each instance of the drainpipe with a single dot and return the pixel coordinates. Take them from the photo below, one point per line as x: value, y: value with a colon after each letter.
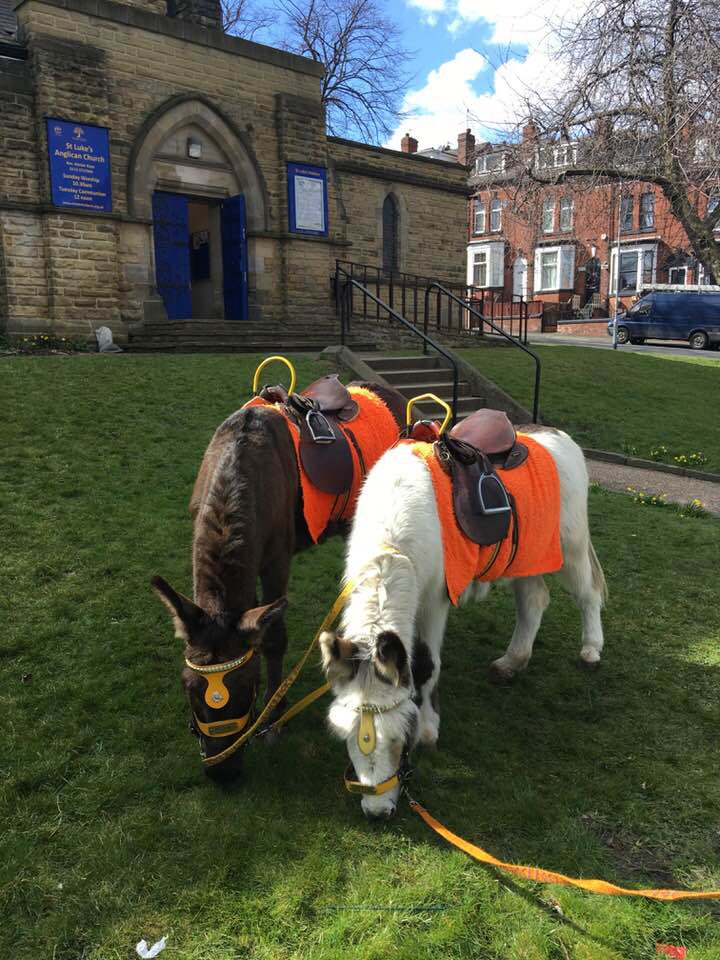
x: 617, y: 268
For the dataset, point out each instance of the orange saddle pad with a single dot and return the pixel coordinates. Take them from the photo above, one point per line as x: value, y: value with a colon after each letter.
x: 535, y: 486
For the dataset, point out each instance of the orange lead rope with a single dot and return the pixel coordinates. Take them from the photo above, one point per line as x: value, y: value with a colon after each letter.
x: 548, y: 876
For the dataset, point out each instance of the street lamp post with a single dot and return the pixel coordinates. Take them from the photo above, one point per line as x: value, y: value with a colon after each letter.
x: 617, y: 269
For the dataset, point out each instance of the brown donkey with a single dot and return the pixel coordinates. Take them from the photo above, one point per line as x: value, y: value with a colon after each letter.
x: 249, y: 519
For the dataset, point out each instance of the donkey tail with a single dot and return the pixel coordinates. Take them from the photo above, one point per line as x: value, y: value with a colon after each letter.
x: 598, y: 577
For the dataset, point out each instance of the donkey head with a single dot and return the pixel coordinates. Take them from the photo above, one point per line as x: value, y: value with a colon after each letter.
x: 222, y: 674
x: 373, y: 712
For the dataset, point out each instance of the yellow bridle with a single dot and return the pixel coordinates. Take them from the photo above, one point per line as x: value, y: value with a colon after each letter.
x: 217, y: 696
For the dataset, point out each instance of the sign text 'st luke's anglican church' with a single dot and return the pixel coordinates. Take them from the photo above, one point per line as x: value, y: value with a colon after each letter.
x: 79, y: 156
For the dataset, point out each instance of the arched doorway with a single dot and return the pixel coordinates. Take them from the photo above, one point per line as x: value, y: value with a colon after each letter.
x: 390, y: 235
x: 520, y: 271
x: 193, y: 174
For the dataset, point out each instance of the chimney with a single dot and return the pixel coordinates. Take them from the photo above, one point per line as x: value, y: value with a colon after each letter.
x: 204, y: 13
x: 408, y: 144
x: 466, y: 148
x: 529, y: 132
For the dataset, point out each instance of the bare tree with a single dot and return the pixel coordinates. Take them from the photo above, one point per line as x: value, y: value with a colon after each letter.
x: 243, y: 18
x: 365, y: 62
x: 639, y: 98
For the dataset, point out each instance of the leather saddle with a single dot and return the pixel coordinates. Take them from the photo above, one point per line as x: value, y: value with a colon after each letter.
x: 472, y: 452
x: 324, y: 449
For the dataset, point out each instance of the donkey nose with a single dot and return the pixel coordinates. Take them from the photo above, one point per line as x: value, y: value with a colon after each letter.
x: 385, y: 812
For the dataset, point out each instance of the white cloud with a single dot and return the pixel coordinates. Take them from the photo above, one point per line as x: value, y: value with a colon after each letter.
x: 430, y: 9
x: 441, y: 106
x: 439, y: 109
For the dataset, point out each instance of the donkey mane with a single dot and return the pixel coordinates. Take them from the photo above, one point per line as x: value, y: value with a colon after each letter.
x: 225, y: 507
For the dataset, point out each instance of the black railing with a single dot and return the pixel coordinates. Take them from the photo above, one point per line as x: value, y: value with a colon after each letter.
x: 404, y: 292
x: 465, y: 305
x: 344, y: 286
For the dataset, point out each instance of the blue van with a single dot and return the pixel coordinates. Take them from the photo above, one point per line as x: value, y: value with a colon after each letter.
x: 680, y: 315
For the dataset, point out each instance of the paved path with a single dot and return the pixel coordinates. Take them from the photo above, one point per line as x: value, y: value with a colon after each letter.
x: 678, y: 489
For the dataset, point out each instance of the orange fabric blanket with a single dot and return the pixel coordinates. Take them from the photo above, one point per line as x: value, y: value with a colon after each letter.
x: 536, y: 488
x: 375, y: 431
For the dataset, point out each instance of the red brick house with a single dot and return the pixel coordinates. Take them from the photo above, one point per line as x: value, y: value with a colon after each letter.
x: 559, y: 244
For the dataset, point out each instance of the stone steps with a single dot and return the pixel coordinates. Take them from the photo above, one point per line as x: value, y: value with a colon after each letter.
x: 218, y: 336
x: 412, y: 376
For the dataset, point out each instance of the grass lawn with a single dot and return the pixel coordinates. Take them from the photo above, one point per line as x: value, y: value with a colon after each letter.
x: 111, y: 832
x: 628, y: 402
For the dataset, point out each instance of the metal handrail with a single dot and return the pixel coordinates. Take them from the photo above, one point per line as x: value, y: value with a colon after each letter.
x: 350, y: 282
x: 435, y: 285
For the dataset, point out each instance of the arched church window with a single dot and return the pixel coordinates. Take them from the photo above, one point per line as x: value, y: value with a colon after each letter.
x: 390, y: 235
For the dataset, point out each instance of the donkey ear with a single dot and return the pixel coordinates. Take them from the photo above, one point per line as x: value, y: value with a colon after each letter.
x: 183, y: 611
x: 259, y: 618
x: 390, y: 659
x: 337, y: 657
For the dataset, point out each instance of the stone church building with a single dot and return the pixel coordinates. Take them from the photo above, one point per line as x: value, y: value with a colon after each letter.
x: 155, y: 167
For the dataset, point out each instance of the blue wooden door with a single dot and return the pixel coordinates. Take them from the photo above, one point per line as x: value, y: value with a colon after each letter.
x: 172, y: 253
x: 234, y: 243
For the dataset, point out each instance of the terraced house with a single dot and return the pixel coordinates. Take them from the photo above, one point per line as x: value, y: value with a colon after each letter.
x: 155, y: 168
x: 561, y: 245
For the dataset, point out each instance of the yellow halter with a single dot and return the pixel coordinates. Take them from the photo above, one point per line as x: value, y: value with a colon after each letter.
x: 217, y: 695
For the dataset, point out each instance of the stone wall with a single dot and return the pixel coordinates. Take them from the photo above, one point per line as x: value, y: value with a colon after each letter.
x: 151, y: 78
x: 432, y: 200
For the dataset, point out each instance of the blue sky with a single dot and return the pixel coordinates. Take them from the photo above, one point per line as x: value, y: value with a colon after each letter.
x: 473, y: 57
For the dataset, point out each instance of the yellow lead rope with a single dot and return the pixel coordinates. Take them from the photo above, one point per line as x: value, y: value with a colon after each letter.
x: 289, y: 680
x: 548, y: 876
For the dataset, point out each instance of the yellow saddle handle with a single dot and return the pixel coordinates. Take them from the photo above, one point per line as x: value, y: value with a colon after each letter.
x: 265, y: 363
x: 435, y: 399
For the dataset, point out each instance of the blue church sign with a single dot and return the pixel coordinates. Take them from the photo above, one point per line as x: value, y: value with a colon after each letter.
x: 79, y: 156
x: 307, y: 199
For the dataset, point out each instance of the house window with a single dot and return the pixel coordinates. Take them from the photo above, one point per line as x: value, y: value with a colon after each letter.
x: 490, y: 163
x: 677, y: 275
x: 559, y: 155
x: 566, y: 214
x: 647, y: 211
x: 712, y: 205
x: 478, y: 217
x: 495, y: 216
x: 626, y: 214
x: 390, y: 239
x: 486, y: 264
x: 637, y: 268
x: 548, y: 215
x: 554, y: 268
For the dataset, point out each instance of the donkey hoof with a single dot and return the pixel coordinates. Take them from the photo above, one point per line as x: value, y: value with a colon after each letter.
x: 590, y: 665
x: 500, y: 673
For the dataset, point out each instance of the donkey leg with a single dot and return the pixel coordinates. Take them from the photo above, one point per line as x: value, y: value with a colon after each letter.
x: 582, y: 576
x: 426, y: 666
x: 531, y: 600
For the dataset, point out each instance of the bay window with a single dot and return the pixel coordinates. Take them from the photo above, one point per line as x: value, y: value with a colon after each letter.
x: 486, y: 264
x: 637, y: 267
x: 554, y: 268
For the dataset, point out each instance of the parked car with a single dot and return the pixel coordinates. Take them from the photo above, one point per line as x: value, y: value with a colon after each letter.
x: 690, y: 316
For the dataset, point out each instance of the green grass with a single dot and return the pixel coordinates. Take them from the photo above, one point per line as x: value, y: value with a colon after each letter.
x: 111, y: 832
x: 627, y: 402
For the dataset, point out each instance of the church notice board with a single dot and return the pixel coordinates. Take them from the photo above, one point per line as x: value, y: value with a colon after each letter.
x: 79, y: 156
x: 307, y: 199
